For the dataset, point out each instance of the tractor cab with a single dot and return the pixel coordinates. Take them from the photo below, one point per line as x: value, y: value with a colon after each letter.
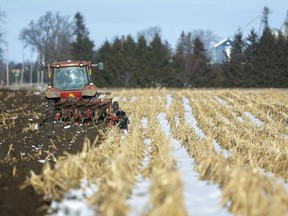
x: 70, y: 78
x: 71, y: 75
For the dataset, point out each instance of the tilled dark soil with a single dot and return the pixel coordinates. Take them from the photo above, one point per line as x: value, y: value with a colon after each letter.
x: 25, y: 142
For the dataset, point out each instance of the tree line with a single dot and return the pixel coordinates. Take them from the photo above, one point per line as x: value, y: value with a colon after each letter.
x: 257, y: 61
x: 149, y: 61
x: 254, y: 62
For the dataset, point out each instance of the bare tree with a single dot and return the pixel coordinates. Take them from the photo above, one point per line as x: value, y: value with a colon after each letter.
x: 51, y: 36
x: 150, y: 33
x: 208, y: 39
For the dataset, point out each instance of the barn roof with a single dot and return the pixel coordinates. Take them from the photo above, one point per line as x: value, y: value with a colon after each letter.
x: 223, y: 42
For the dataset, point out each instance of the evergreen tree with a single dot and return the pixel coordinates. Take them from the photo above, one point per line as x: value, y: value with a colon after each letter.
x: 251, y: 45
x: 142, y: 54
x: 104, y: 78
x: 266, y: 60
x: 284, y: 66
x: 168, y: 75
x: 183, y: 59
x: 280, y: 74
x: 216, y: 76
x: 160, y: 55
x: 178, y: 60
x: 192, y: 60
x: 116, y: 62
x: 82, y: 47
x: 129, y: 63
x: 234, y: 66
x: 200, y: 65
x: 250, y: 73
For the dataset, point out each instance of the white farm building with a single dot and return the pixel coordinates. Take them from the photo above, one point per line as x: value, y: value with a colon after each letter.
x: 222, y: 51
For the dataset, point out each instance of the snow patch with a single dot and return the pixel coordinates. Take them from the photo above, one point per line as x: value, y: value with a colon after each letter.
x: 116, y: 98
x: 140, y: 196
x: 169, y: 101
x: 220, y: 100
x: 189, y: 116
x: 191, y: 119
x: 74, y: 202
x: 253, y: 119
x: 133, y: 99
x: 177, y: 120
x: 278, y: 180
x: 240, y: 119
x: 218, y: 149
x: 144, y: 122
x: 200, y: 198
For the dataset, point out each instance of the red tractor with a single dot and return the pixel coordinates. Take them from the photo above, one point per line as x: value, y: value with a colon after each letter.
x: 73, y: 98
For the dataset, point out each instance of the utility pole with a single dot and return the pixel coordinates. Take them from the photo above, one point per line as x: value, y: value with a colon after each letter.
x: 42, y: 72
x: 31, y: 68
x: 7, y: 66
x: 38, y: 72
x: 22, y: 71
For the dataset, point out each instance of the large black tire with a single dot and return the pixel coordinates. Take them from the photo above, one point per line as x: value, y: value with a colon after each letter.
x: 50, y: 110
x: 115, y: 107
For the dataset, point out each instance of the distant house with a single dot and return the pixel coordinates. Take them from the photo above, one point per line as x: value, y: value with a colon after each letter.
x: 222, y: 50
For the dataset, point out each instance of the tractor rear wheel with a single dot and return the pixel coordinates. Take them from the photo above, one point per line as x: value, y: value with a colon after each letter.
x: 50, y: 110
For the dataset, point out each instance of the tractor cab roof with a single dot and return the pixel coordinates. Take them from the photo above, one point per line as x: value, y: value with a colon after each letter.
x: 69, y: 64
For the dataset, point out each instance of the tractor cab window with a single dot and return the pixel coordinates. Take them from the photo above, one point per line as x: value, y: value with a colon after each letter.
x: 70, y: 78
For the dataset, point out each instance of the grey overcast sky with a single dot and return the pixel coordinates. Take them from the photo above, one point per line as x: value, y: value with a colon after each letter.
x: 109, y: 18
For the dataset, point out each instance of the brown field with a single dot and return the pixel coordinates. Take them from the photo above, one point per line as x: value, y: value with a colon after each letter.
x: 252, y: 178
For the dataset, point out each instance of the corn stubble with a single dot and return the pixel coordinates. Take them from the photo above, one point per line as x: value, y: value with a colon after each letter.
x: 248, y: 177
